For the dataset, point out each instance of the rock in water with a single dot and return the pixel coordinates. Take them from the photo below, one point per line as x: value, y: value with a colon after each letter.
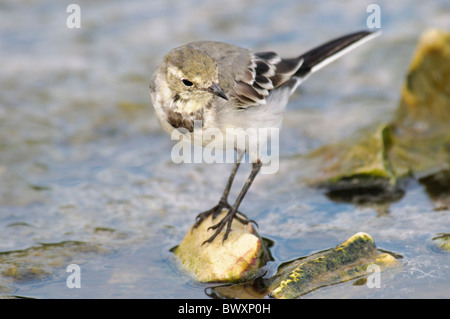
x: 421, y: 128
x: 358, y: 169
x: 236, y: 259
x: 442, y: 242
x: 371, y: 167
x: 347, y: 261
x: 357, y: 257
x: 426, y: 92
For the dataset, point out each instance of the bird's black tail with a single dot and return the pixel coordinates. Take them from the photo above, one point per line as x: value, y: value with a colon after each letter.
x: 324, y: 54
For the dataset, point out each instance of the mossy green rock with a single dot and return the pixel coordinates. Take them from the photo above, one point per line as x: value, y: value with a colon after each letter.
x: 415, y: 143
x: 347, y: 261
x: 43, y: 262
x: 442, y: 242
x: 426, y: 92
x: 356, y: 162
x: 421, y: 136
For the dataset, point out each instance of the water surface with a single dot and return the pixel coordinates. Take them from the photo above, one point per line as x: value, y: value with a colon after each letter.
x: 85, y: 170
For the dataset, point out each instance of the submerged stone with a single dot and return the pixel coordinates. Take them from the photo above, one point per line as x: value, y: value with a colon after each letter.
x: 437, y: 186
x: 347, y: 261
x: 43, y: 261
x: 235, y: 259
x: 357, y: 257
x: 442, y: 242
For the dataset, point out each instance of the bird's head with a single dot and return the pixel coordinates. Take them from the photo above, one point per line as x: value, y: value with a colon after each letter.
x: 192, y: 75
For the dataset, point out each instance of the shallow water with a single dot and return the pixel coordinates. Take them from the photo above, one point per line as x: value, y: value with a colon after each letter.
x: 86, y: 169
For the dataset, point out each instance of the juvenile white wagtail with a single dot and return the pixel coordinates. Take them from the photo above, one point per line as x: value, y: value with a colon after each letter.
x: 225, y: 86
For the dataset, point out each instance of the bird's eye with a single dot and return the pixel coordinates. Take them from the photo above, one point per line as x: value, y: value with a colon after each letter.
x: 187, y: 82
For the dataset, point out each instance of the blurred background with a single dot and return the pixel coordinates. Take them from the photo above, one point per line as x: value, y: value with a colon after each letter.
x: 85, y: 169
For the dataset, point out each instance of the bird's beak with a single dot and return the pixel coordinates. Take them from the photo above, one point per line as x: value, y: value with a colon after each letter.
x: 216, y: 90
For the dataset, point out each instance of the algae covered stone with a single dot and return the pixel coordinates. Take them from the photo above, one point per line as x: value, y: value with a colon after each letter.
x: 358, y: 169
x: 426, y: 92
x: 347, y: 261
x: 373, y: 164
x: 442, y: 242
x: 421, y: 127
x: 44, y: 262
x: 235, y: 259
x: 357, y: 257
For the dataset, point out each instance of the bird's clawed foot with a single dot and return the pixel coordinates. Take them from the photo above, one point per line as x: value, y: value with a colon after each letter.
x: 215, y: 211
x: 226, y: 221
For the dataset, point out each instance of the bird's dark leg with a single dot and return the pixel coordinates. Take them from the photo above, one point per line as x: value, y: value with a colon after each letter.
x: 228, y: 219
x: 223, y: 203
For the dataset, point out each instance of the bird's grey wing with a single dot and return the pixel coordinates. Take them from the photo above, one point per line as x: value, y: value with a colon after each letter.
x: 248, y: 78
x: 265, y: 72
x: 269, y: 71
